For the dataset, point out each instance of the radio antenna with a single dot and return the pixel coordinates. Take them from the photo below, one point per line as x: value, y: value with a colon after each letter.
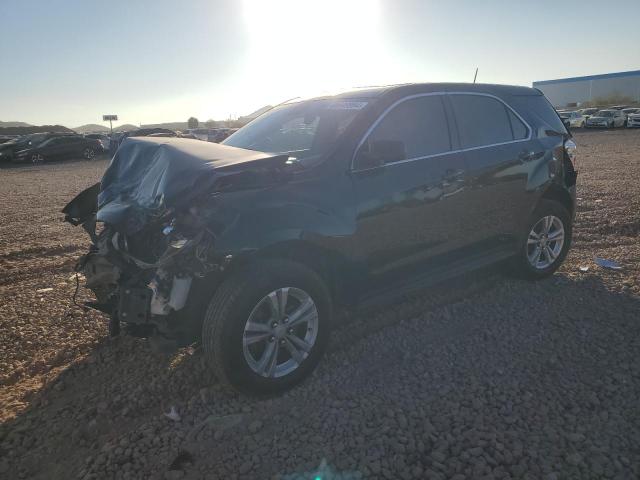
x: 475, y: 76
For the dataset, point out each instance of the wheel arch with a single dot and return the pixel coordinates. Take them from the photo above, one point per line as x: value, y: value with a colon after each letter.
x: 332, y: 267
x: 558, y: 194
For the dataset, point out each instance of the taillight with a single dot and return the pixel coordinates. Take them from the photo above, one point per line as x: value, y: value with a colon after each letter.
x: 570, y: 148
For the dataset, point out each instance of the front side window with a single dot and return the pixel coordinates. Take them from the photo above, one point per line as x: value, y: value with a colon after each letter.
x: 485, y: 121
x: 418, y: 126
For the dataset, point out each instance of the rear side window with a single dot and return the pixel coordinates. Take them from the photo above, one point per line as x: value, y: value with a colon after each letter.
x: 485, y: 121
x: 420, y: 123
x: 519, y: 129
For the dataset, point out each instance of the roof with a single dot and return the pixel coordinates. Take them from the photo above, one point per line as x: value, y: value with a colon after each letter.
x: 413, y: 88
x: 632, y: 73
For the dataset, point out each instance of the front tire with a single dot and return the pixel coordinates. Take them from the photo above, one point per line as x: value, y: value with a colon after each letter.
x: 89, y: 153
x: 546, y: 241
x: 267, y: 326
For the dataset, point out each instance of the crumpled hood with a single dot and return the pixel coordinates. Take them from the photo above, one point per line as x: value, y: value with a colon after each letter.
x: 149, y: 175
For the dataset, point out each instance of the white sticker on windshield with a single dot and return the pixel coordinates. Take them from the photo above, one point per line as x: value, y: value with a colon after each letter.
x: 346, y: 105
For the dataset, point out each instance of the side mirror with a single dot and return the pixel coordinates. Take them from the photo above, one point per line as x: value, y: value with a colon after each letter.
x: 378, y: 153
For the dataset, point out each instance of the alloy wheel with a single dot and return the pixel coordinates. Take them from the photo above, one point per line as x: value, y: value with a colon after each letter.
x: 280, y: 332
x: 545, y: 242
x: 89, y: 153
x: 37, y: 158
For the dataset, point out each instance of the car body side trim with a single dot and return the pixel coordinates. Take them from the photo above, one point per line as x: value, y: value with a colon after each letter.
x: 449, y: 152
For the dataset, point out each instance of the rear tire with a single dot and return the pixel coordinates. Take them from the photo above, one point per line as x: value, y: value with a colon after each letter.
x: 246, y: 323
x: 540, y: 253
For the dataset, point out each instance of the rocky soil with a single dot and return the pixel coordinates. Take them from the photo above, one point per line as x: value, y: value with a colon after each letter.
x: 481, y: 378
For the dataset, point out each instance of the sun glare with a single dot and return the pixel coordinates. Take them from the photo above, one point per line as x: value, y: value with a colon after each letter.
x: 310, y: 48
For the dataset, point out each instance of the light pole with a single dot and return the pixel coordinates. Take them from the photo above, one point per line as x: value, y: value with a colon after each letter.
x: 110, y: 118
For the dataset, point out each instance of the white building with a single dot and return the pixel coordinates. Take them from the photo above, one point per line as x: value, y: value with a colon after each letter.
x: 576, y: 90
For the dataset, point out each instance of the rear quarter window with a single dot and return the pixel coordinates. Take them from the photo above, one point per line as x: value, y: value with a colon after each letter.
x: 542, y: 112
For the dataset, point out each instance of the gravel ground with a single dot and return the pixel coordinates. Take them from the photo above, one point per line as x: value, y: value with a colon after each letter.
x: 481, y: 378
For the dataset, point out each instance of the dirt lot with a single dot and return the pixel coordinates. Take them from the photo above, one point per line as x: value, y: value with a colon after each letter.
x: 481, y: 378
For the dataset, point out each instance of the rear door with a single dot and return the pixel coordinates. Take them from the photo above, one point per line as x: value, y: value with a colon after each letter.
x: 68, y: 147
x: 498, y: 151
x: 406, y: 208
x: 53, y: 148
x: 76, y: 146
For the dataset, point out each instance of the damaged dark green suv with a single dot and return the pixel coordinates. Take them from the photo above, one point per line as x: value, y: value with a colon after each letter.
x: 348, y: 200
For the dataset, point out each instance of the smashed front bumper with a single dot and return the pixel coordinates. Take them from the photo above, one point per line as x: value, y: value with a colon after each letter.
x: 145, y: 280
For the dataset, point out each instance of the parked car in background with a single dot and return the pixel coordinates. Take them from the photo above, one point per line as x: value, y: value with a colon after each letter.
x: 60, y: 148
x: 116, y: 141
x: 343, y: 201
x: 145, y: 132
x: 573, y: 119
x: 619, y: 107
x: 222, y: 134
x: 587, y: 112
x: 104, y: 140
x: 607, y: 119
x: 215, y: 135
x: 8, y: 150
x: 7, y: 138
x: 629, y: 111
x: 200, y: 133
x: 633, y: 120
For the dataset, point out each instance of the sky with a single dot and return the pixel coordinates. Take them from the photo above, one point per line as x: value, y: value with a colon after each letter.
x: 149, y: 61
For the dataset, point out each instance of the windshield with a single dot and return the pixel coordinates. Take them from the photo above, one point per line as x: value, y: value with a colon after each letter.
x: 45, y: 143
x: 605, y: 113
x: 33, y: 139
x: 301, y: 129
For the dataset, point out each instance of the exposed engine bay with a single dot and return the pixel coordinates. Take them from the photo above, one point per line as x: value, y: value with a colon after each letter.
x: 138, y: 278
x: 153, y: 221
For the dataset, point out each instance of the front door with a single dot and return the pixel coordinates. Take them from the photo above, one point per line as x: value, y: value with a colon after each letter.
x: 407, y: 206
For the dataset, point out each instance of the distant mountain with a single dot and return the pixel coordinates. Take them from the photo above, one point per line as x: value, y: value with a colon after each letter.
x: 92, y: 128
x: 33, y: 129
x: 125, y: 128
x: 14, y: 124
x: 169, y: 125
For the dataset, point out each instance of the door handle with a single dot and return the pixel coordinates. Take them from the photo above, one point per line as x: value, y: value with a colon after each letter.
x: 527, y: 156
